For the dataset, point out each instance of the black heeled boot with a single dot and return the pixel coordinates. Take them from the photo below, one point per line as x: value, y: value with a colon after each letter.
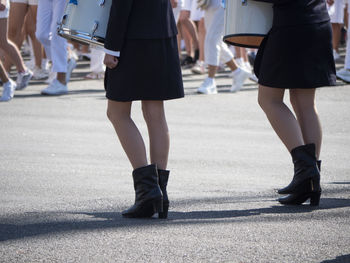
x: 163, y: 182
x: 306, y: 180
x: 305, y: 168
x: 147, y: 193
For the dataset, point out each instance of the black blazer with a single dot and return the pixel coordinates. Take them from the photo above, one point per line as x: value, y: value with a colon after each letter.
x: 139, y: 19
x: 298, y: 12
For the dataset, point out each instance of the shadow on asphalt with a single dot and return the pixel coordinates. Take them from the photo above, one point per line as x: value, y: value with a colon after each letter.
x: 49, y: 222
x: 339, y: 259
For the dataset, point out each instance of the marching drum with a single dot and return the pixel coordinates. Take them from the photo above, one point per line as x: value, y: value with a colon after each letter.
x: 247, y: 22
x: 85, y: 21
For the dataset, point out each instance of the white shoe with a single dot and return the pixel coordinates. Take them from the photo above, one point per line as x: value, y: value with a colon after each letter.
x: 336, y: 55
x: 23, y: 79
x: 208, y: 87
x: 344, y: 74
x: 239, y: 77
x: 9, y: 90
x: 253, y: 77
x: 52, y: 76
x: 39, y: 73
x: 72, y: 63
x: 55, y: 88
x: 199, y: 68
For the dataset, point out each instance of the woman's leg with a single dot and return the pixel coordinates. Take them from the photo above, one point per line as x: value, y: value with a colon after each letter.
x: 303, y: 102
x: 30, y: 29
x: 128, y: 134
x: 18, y: 12
x: 9, y: 48
x: 280, y: 116
x: 153, y: 112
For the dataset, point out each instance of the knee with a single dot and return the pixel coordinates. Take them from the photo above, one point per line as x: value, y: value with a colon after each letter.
x: 152, y: 114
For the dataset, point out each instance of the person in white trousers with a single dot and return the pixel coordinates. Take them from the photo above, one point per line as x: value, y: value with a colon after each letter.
x: 344, y: 73
x: 96, y: 64
x: 216, y: 51
x: 50, y: 13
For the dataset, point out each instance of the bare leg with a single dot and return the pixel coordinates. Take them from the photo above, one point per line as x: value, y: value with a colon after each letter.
x: 336, y: 35
x: 212, y: 71
x: 153, y: 112
x: 128, y: 134
x: 190, y: 26
x: 3, y: 76
x: 201, y: 38
x: 31, y: 28
x: 303, y: 102
x: 9, y: 47
x: 232, y: 65
x: 18, y: 12
x: 280, y: 116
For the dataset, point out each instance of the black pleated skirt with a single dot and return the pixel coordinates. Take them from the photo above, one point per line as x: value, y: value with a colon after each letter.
x: 148, y: 69
x: 297, y: 57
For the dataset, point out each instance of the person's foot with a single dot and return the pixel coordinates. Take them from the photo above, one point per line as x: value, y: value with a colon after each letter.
x: 23, y: 79
x: 95, y: 75
x: 39, y: 73
x: 208, y: 87
x: 72, y: 63
x: 55, y: 88
x: 199, y: 68
x: 344, y: 75
x: 9, y: 90
x: 239, y: 77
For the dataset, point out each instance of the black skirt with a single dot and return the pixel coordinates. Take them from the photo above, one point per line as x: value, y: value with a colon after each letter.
x: 148, y: 69
x: 297, y: 57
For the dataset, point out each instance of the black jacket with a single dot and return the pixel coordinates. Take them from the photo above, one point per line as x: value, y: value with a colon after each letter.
x: 139, y: 19
x: 298, y: 12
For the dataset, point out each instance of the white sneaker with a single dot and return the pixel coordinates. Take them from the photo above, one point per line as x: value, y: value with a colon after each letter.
x: 199, y: 68
x: 72, y: 63
x: 344, y: 74
x: 23, y: 79
x: 9, y: 90
x: 239, y: 77
x: 208, y: 87
x: 52, y: 76
x: 253, y: 77
x: 55, y: 88
x: 39, y: 73
x: 336, y: 55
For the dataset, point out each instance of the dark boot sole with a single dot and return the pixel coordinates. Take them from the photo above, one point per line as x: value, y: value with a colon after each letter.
x: 298, y: 199
x: 148, y: 209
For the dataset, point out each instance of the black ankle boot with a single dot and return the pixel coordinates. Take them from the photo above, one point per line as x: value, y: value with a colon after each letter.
x: 305, y: 168
x: 147, y: 193
x: 298, y: 199
x: 163, y: 182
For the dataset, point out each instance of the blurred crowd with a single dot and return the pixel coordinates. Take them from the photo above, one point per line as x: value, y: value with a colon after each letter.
x: 31, y: 49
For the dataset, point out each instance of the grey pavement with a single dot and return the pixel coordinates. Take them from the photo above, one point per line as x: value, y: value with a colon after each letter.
x: 65, y: 180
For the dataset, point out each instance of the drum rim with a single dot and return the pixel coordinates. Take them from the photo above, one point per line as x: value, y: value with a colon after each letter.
x: 80, y: 36
x: 225, y: 39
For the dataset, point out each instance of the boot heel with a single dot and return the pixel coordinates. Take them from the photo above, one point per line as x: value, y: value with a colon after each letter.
x: 164, y: 214
x: 315, y: 199
x: 158, y: 206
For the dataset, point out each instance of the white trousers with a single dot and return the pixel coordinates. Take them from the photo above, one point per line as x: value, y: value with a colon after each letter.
x: 50, y: 13
x: 96, y: 62
x: 215, y: 50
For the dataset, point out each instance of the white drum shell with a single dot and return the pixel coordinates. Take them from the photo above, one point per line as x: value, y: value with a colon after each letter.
x: 252, y: 19
x: 79, y: 21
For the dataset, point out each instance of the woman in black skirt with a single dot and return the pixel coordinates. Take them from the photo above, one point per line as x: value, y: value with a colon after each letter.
x: 297, y: 55
x: 143, y: 64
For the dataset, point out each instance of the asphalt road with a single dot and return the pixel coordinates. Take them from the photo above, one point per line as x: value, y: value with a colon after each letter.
x: 65, y: 180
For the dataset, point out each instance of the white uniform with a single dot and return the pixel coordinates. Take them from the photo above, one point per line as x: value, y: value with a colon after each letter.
x: 177, y: 10
x: 28, y: 2
x: 215, y: 50
x: 336, y: 12
x: 50, y: 12
x: 196, y: 13
x: 5, y: 13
